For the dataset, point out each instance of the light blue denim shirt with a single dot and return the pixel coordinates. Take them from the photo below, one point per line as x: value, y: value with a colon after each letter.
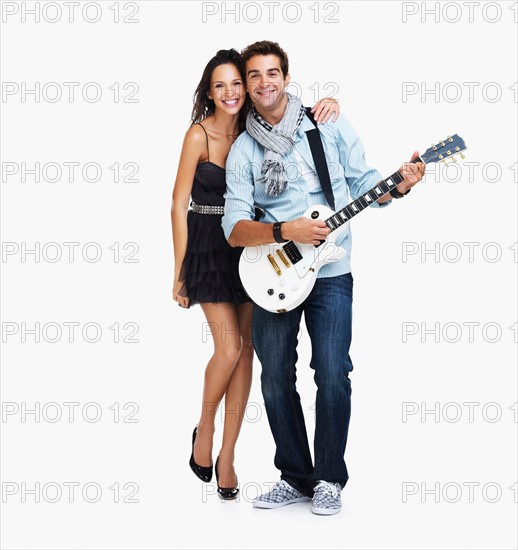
x: 350, y: 177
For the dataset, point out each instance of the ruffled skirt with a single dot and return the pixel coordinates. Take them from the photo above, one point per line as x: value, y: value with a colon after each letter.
x: 210, y: 267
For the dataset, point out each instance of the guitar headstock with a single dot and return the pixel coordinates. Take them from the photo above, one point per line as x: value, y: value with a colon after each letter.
x: 450, y: 147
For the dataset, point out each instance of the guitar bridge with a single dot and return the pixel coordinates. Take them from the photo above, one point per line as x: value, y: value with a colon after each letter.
x: 283, y: 258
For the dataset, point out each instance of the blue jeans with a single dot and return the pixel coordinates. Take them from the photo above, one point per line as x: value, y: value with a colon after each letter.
x: 328, y: 316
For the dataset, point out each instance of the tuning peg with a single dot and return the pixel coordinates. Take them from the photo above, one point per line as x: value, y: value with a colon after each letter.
x: 462, y: 156
x: 453, y: 159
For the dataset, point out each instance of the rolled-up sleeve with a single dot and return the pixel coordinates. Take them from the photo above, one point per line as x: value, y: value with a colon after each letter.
x: 239, y: 196
x: 359, y: 175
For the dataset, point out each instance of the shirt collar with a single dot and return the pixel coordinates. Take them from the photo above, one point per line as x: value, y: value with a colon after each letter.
x: 303, y: 128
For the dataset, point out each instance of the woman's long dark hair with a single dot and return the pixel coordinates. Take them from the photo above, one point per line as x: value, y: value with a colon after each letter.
x: 202, y: 105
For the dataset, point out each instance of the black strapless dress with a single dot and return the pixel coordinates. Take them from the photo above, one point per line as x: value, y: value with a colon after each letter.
x: 210, y: 267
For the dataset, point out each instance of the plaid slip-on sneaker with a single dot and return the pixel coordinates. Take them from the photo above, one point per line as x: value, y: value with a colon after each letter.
x: 327, y: 500
x: 281, y: 495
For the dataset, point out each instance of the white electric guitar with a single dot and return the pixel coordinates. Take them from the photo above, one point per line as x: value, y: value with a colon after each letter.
x: 279, y: 277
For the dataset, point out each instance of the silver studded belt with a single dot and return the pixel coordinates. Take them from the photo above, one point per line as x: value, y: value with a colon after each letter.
x: 207, y: 209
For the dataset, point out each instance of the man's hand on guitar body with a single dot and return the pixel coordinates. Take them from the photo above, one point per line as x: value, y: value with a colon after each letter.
x: 304, y: 230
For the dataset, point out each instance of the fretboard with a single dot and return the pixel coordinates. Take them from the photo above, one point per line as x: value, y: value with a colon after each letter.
x: 355, y: 207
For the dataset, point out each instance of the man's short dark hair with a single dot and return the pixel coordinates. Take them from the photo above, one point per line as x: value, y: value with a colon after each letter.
x: 265, y: 47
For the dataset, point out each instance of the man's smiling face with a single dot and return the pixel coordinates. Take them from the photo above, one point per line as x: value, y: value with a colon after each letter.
x: 265, y: 82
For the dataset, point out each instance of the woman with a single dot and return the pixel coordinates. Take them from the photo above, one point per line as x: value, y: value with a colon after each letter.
x: 206, y: 267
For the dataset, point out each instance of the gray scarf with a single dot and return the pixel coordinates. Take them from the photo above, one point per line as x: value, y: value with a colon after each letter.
x: 278, y: 141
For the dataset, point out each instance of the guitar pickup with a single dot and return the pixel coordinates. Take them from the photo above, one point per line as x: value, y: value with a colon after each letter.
x: 292, y: 252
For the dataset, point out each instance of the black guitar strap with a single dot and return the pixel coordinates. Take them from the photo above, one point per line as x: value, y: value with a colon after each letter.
x: 319, y: 158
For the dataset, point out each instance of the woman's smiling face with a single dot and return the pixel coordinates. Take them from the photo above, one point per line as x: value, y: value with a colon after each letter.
x: 226, y: 88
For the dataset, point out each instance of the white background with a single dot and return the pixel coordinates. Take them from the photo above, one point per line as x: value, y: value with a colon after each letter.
x: 370, y: 52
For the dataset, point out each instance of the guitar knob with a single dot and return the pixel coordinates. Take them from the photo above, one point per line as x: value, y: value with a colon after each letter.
x: 314, y: 214
x: 294, y: 286
x: 281, y: 296
x: 270, y: 291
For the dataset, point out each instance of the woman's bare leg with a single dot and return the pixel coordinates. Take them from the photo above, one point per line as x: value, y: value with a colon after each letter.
x: 224, y: 326
x: 236, y: 398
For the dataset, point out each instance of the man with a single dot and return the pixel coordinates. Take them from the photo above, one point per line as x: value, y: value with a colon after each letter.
x: 257, y: 174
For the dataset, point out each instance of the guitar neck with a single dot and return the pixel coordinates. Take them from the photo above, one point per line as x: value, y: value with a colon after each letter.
x: 382, y: 188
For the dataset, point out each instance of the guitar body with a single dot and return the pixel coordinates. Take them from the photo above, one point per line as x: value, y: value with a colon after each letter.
x: 279, y: 277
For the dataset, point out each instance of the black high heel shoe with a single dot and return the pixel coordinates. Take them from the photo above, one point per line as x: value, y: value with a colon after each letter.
x: 226, y: 493
x: 203, y: 472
